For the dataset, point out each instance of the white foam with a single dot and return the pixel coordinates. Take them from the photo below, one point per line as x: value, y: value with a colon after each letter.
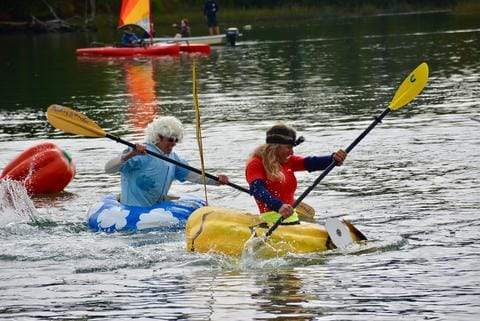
x: 15, y: 204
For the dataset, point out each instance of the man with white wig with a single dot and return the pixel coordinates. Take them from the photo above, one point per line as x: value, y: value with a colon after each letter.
x: 145, y: 179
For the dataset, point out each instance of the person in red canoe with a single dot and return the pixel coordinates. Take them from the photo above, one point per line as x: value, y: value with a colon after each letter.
x: 270, y: 172
x: 130, y: 38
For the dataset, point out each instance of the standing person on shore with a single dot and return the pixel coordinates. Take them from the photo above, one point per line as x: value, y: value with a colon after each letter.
x: 210, y: 10
x: 270, y: 172
x: 145, y: 179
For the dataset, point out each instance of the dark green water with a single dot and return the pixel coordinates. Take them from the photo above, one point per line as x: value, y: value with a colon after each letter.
x: 412, y: 186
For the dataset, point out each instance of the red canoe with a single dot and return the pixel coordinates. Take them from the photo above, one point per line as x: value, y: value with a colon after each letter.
x: 195, y: 48
x: 110, y: 51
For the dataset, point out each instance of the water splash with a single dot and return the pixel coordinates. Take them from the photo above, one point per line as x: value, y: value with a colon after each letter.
x: 15, y: 204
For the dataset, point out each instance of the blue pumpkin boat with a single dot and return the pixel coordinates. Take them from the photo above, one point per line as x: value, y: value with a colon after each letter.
x: 109, y: 215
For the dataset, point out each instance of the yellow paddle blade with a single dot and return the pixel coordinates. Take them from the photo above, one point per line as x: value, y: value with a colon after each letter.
x: 305, y: 212
x: 73, y: 122
x: 410, y: 87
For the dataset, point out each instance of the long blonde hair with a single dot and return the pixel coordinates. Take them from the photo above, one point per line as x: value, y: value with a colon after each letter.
x: 269, y: 155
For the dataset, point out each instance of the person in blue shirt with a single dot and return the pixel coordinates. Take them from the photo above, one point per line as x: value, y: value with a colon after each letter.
x: 146, y: 179
x: 130, y: 39
x: 210, y: 10
x: 183, y: 28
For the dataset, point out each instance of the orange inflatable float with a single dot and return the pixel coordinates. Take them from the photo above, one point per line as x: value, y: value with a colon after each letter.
x: 43, y: 169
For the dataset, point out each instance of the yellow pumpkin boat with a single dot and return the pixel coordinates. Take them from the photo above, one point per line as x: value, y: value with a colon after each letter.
x: 224, y: 231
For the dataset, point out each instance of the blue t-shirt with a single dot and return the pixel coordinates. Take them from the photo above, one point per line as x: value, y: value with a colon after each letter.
x: 145, y: 178
x: 210, y: 8
x: 129, y: 38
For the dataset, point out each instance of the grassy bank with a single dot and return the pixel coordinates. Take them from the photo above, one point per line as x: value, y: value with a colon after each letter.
x: 107, y: 13
x: 241, y: 16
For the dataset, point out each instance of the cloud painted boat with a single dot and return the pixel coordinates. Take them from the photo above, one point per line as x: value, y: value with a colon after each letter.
x: 225, y: 231
x: 109, y: 215
x: 148, y: 50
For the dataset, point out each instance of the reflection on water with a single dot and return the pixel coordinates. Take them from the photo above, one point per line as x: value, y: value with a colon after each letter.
x: 281, y: 294
x: 141, y: 86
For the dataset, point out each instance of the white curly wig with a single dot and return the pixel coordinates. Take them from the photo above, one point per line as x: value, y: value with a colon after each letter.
x: 166, y: 126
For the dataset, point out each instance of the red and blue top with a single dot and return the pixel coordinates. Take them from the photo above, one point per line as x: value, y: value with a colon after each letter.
x: 283, y: 190
x: 271, y: 195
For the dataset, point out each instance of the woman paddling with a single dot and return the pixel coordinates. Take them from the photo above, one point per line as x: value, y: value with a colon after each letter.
x: 270, y: 172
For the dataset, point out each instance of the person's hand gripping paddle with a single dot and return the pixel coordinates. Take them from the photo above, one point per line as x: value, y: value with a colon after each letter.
x: 74, y: 122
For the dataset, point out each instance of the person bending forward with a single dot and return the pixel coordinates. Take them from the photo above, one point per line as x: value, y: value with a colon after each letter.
x: 146, y: 179
x: 270, y: 172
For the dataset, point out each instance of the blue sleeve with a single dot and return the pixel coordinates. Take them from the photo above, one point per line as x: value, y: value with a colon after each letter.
x: 124, y: 39
x: 133, y: 164
x: 260, y: 192
x: 180, y: 172
x: 316, y: 163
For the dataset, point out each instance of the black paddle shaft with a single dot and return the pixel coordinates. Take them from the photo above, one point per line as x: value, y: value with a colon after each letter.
x: 168, y: 159
x: 327, y: 170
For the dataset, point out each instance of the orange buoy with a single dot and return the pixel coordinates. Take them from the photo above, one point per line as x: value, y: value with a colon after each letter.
x: 43, y: 169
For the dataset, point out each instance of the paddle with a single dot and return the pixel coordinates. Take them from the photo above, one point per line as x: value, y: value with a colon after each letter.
x: 74, y: 122
x: 408, y: 90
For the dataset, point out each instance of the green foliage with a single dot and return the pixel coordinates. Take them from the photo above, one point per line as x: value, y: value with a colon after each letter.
x: 467, y: 7
x: 23, y: 10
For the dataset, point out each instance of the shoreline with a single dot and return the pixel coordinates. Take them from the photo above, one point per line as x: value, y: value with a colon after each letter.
x: 235, y: 16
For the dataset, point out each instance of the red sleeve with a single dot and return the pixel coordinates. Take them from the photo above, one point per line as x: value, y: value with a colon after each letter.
x: 296, y: 163
x: 255, y: 170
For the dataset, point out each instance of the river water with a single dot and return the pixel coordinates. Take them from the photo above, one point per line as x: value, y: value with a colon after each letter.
x: 412, y: 185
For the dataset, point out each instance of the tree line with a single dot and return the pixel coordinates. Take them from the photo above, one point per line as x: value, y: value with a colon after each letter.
x: 15, y: 10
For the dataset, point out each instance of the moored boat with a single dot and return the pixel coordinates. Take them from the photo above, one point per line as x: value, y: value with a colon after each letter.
x: 225, y: 231
x: 147, y: 50
x: 109, y: 215
x: 137, y: 39
x: 210, y: 40
x: 230, y: 37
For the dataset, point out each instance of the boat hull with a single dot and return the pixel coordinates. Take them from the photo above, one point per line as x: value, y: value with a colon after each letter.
x: 109, y: 215
x: 151, y: 50
x: 225, y: 231
x: 200, y: 48
x: 209, y: 40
